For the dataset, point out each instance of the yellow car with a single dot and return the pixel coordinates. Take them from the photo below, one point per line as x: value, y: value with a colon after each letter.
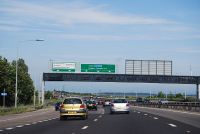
x: 73, y: 107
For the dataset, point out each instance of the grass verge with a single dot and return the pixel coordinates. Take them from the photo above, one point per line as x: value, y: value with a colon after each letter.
x: 19, y: 109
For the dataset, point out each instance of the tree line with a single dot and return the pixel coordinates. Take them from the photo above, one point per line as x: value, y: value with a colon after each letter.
x: 8, y: 80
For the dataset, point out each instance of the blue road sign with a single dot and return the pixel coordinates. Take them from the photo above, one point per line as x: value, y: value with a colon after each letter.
x: 4, y: 94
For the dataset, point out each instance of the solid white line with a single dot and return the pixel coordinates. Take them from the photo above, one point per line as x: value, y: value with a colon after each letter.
x: 9, y: 128
x: 172, y: 125
x: 20, y: 126
x: 85, y: 127
x: 155, y: 118
x: 170, y: 110
x: 95, y: 119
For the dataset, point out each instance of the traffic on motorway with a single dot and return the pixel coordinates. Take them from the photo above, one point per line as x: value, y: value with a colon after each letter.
x: 79, y: 107
x: 88, y: 115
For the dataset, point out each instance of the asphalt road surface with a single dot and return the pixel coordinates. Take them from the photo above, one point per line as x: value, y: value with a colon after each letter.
x: 101, y: 122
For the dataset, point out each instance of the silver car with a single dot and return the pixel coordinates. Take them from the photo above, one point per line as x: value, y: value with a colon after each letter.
x: 120, y: 105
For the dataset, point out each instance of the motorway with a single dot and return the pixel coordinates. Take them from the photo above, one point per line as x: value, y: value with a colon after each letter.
x: 139, y: 121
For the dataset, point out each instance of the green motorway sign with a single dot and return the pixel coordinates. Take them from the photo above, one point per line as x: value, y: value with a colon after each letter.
x: 101, y: 68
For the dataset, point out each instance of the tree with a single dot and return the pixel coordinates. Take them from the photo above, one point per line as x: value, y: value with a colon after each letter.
x: 161, y: 94
x: 8, y: 79
x: 170, y: 95
x: 179, y: 95
x: 48, y: 95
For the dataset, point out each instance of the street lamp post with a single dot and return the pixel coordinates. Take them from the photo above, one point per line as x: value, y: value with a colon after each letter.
x: 16, y: 82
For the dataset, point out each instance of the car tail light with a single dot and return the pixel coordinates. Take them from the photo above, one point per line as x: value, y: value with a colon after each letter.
x: 82, y: 106
x: 127, y: 104
x: 61, y: 105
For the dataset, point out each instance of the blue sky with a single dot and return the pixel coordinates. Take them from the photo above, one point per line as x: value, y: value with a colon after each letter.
x: 93, y: 31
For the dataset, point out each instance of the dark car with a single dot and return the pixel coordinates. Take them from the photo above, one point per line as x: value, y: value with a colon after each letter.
x: 57, y: 106
x: 91, y: 105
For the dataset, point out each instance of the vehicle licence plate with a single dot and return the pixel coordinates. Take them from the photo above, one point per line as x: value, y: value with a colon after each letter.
x: 71, y: 112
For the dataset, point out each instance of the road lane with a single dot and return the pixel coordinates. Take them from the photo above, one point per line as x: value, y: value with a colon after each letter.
x: 52, y: 125
x: 190, y: 118
x: 101, y: 122
x: 138, y: 123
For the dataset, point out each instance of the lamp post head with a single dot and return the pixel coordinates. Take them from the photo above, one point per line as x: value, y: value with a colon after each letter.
x: 39, y: 40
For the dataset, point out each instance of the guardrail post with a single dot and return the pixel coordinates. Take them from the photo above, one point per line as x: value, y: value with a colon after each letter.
x: 198, y: 93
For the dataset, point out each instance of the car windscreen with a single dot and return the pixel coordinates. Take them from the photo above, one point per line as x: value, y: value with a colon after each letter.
x: 72, y: 101
x: 120, y: 101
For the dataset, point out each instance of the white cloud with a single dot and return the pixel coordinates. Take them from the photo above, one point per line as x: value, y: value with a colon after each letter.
x: 72, y: 15
x: 123, y: 37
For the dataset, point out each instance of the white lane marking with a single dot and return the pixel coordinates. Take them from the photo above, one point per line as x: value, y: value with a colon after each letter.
x: 40, y: 121
x: 188, y: 131
x: 20, y: 126
x: 155, y: 118
x: 146, y: 114
x: 138, y: 112
x: 1, y: 130
x: 45, y: 120
x: 27, y: 124
x: 172, y: 125
x: 9, y: 128
x: 95, y: 119
x: 100, y: 116
x: 34, y: 123
x: 85, y: 127
x: 176, y: 111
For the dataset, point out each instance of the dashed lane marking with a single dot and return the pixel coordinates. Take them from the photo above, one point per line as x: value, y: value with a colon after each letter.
x: 20, y: 126
x: 138, y: 112
x: 145, y: 114
x: 95, y: 120
x: 9, y: 128
x: 1, y: 130
x: 85, y: 127
x: 100, y: 116
x: 188, y: 131
x: 34, y: 123
x: 172, y: 125
x: 27, y: 124
x: 155, y: 118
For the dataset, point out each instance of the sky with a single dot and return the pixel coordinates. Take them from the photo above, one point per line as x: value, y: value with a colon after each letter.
x: 102, y: 32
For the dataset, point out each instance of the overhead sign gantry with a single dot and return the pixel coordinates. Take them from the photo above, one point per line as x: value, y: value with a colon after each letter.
x: 99, y: 77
